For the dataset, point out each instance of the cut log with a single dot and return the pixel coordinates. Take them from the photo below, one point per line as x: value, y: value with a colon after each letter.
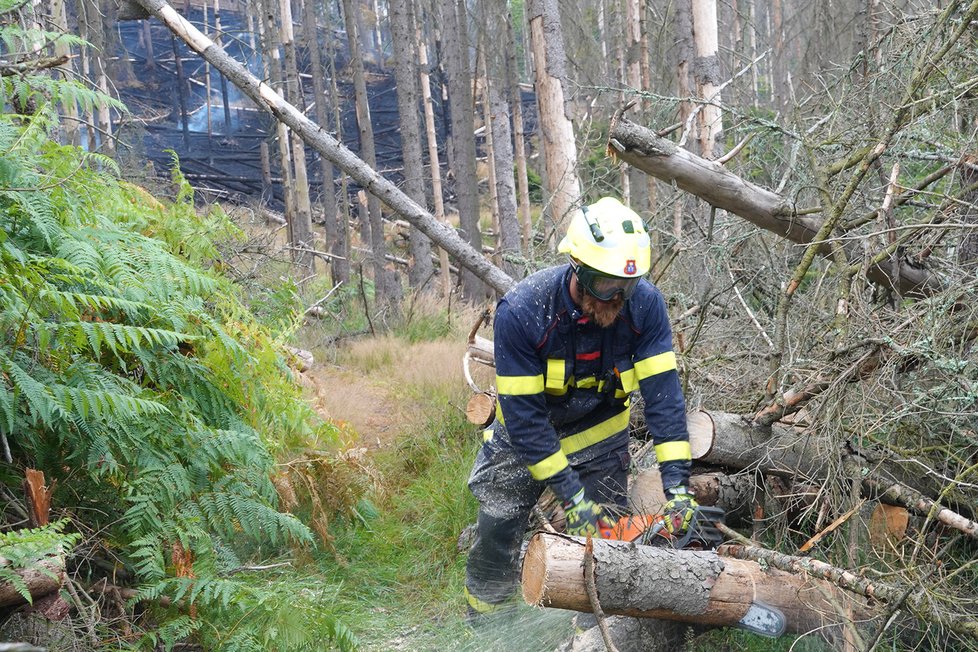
x: 481, y: 409
x: 42, y: 578
x: 683, y: 585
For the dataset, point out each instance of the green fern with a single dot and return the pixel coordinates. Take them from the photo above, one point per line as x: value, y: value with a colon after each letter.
x: 133, y: 376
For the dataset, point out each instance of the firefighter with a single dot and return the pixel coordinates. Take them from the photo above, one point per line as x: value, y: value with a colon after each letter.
x: 571, y: 344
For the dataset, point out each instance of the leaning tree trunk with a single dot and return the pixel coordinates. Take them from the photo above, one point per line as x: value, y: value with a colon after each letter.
x: 690, y: 586
x: 557, y: 132
x: 641, y: 147
x: 326, y: 145
x: 406, y: 75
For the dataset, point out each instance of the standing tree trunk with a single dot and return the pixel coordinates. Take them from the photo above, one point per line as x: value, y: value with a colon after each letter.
x: 92, y: 29
x: 327, y: 193
x: 224, y: 80
x: 386, y: 285
x: 706, y: 71
x: 406, y: 75
x: 778, y: 66
x: 559, y: 145
x: 455, y: 59
x: 273, y: 72
x: 684, y: 57
x: 638, y: 198
x: 519, y: 139
x: 433, y: 159
x: 508, y: 244
x: 302, y: 222
x: 61, y: 49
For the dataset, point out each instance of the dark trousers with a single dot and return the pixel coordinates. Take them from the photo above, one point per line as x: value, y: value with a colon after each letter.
x: 507, y: 493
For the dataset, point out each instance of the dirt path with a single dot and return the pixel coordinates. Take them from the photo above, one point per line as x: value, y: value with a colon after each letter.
x: 380, y: 387
x: 355, y: 402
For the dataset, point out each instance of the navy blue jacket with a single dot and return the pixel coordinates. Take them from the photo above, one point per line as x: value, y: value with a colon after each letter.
x: 564, y: 382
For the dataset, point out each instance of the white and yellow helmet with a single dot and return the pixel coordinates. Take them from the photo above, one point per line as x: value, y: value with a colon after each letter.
x: 608, y: 243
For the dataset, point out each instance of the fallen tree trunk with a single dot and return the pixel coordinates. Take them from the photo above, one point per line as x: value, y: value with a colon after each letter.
x: 42, y: 578
x: 644, y: 149
x: 917, y: 601
x: 698, y: 587
x: 317, y: 138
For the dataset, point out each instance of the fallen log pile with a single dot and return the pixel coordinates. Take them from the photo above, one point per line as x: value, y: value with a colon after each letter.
x: 700, y: 587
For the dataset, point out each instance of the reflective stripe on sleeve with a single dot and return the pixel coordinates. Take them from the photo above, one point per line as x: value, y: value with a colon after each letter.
x: 519, y: 385
x: 595, y: 433
x: 657, y: 364
x: 673, y: 450
x: 549, y: 466
x: 629, y: 381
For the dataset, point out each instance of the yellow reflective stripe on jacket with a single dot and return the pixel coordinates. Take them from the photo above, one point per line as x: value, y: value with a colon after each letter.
x: 481, y: 606
x: 487, y: 434
x: 629, y: 381
x: 519, y: 385
x: 549, y: 466
x: 657, y: 364
x: 595, y: 433
x: 556, y: 381
x: 673, y: 450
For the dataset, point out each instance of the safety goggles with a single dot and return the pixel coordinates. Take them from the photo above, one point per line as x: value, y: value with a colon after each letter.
x: 604, y: 287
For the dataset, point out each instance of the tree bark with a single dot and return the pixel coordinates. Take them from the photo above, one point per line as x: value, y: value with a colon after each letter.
x: 322, y: 100
x: 519, y: 139
x: 62, y: 49
x: 328, y: 146
x: 508, y: 245
x: 690, y: 586
x: 302, y: 222
x: 406, y: 75
x: 434, y: 161
x: 273, y: 70
x: 455, y: 59
x: 556, y: 130
x: 386, y: 287
x: 710, y: 181
x: 41, y: 579
x: 706, y: 72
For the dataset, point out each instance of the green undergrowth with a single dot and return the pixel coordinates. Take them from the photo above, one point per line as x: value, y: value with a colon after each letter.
x: 134, y: 376
x: 400, y: 564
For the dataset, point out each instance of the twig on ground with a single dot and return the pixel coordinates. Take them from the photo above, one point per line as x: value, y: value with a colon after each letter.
x: 805, y: 547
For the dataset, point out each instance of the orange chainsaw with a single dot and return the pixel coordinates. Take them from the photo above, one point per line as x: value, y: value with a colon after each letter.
x: 650, y: 529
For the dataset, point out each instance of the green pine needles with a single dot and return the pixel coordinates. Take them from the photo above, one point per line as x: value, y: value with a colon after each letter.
x: 139, y: 382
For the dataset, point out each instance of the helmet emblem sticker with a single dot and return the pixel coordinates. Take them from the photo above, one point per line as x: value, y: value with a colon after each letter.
x: 630, y: 266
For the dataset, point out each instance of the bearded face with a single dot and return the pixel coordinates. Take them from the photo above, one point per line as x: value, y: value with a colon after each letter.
x: 603, y: 313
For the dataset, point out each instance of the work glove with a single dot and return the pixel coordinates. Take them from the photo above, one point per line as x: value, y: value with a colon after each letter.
x: 678, y: 510
x: 584, y: 516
